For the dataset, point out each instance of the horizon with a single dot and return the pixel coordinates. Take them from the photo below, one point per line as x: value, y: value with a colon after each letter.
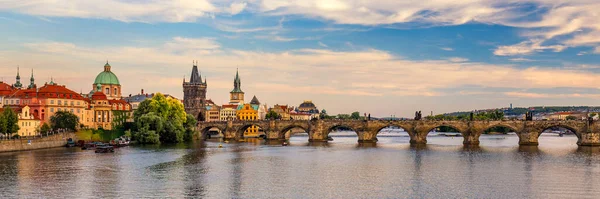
x: 381, y: 58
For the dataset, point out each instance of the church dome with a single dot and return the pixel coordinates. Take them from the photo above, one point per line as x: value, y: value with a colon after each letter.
x: 107, y: 77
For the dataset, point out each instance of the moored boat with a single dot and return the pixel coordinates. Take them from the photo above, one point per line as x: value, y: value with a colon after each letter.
x: 105, y: 149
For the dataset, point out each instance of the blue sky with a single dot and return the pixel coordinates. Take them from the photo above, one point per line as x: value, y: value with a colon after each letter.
x: 383, y: 57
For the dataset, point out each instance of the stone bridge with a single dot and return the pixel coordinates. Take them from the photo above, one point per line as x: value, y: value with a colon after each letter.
x: 588, y: 133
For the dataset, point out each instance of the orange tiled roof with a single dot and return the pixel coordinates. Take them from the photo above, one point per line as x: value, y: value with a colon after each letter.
x: 5, y: 89
x: 99, y: 96
x: 48, y: 91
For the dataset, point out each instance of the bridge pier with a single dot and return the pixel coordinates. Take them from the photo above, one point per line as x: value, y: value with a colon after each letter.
x: 471, y: 138
x: 528, y: 138
x: 273, y: 135
x: 419, y: 138
x: 367, y: 137
x: 589, y: 139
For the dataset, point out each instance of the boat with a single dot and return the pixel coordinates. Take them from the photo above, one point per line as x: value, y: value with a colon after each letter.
x: 88, y: 146
x: 105, y: 149
x: 70, y: 143
x: 329, y: 138
x: 120, y: 142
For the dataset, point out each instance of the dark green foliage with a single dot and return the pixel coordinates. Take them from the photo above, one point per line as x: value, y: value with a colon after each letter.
x: 272, y: 115
x: 8, y: 122
x: 45, y: 128
x: 161, y: 119
x: 64, y: 120
x: 570, y: 117
x: 355, y: 115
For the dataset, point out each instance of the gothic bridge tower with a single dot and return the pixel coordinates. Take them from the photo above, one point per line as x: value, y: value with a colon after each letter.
x: 194, y: 95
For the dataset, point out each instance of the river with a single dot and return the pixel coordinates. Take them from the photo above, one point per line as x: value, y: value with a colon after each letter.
x: 499, y: 168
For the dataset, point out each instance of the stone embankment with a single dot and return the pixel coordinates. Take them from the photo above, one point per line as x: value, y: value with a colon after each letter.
x: 57, y: 140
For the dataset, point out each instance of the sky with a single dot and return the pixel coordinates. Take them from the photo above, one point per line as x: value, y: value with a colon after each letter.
x: 383, y: 57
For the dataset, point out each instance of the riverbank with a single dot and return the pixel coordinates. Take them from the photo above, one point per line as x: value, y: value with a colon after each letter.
x: 57, y: 140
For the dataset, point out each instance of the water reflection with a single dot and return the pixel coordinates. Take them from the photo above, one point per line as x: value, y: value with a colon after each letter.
x: 343, y: 168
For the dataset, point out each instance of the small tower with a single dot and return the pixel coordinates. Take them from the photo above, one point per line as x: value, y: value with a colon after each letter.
x: 31, y: 81
x: 18, y: 83
x: 236, y: 96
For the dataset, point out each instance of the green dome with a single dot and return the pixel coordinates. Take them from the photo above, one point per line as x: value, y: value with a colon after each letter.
x: 107, y: 77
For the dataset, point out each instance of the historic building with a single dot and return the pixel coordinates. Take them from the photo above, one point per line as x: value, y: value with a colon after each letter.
x: 283, y: 111
x: 212, y: 111
x: 108, y: 82
x: 194, y: 95
x: 28, y: 124
x: 236, y: 96
x: 249, y: 112
x: 300, y: 116
x: 308, y: 107
x: 228, y: 112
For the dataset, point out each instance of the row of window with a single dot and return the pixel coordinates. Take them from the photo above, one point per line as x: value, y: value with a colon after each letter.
x: 26, y: 124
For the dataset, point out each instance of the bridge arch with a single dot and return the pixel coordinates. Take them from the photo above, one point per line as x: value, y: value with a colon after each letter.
x: 403, y: 127
x: 240, y: 130
x: 204, y: 130
x: 575, y: 130
x: 337, y: 126
x: 283, y: 134
x: 430, y: 128
x: 500, y: 124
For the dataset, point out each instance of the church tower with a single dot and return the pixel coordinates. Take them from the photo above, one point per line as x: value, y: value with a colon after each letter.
x: 18, y: 83
x: 32, y: 81
x: 236, y: 96
x: 194, y: 95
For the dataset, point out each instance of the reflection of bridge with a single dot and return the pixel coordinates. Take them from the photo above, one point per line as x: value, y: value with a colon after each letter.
x: 588, y: 134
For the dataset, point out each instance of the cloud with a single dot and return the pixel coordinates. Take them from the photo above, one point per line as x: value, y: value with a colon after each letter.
x: 133, y: 11
x: 520, y: 59
x: 237, y: 7
x: 457, y: 59
x: 526, y: 47
x: 322, y: 45
x: 447, y: 49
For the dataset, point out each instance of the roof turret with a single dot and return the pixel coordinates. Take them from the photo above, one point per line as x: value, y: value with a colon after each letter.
x: 107, y: 77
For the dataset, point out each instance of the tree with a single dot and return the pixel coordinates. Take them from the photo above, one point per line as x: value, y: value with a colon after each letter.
x: 272, y: 115
x: 160, y: 117
x: 45, y: 128
x: 355, y: 115
x: 9, y: 122
x: 64, y: 120
x: 323, y: 114
x: 190, y: 127
x: 570, y: 117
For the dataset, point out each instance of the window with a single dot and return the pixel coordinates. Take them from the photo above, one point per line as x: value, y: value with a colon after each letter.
x: 59, y: 102
x: 78, y: 103
x: 51, y: 101
x: 51, y: 110
x: 17, y: 101
x: 115, y: 93
x: 12, y: 101
x: 107, y: 91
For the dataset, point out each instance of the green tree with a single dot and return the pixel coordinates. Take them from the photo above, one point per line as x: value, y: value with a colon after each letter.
x: 355, y: 115
x: 2, y: 124
x: 45, y: 128
x: 190, y: 127
x: 160, y: 117
x: 10, y: 122
x: 272, y: 115
x: 570, y: 117
x: 64, y: 120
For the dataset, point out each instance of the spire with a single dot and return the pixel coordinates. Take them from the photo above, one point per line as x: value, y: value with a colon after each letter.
x: 18, y: 82
x: 255, y: 101
x: 32, y: 80
x: 237, y: 83
x: 107, y: 67
x: 195, y: 77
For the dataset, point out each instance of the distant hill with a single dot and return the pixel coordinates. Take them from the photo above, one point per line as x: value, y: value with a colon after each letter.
x: 536, y: 109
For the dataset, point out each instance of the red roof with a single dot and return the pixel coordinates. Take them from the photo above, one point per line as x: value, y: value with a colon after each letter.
x: 47, y: 91
x: 99, y: 96
x: 233, y: 106
x: 5, y: 89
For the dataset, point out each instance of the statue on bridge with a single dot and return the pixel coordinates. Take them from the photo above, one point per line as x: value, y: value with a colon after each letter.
x: 471, y: 116
x: 418, y: 115
x: 529, y: 116
x: 590, y: 120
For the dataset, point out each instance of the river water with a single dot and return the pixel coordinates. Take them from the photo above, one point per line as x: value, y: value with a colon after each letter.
x: 499, y: 168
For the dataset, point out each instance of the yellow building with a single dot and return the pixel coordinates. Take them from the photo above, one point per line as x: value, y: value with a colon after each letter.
x: 28, y: 124
x: 249, y: 112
